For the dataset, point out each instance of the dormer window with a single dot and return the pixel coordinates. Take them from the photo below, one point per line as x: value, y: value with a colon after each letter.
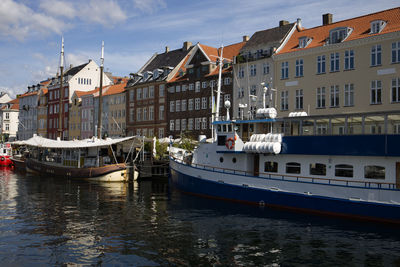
x: 146, y: 75
x: 304, y: 41
x: 338, y: 35
x: 157, y: 73
x: 377, y: 26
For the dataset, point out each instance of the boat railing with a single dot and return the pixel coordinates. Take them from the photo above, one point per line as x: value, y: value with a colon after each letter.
x: 297, y: 178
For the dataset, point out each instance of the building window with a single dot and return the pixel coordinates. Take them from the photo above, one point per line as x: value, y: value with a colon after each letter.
x: 139, y: 114
x: 344, y: 170
x: 349, y: 95
x: 338, y: 35
x: 299, y: 67
x: 285, y: 70
x: 334, y: 62
x: 160, y: 132
x: 266, y: 68
x: 334, y: 96
x: 183, y: 104
x: 139, y: 93
x: 178, y: 106
x: 161, y: 89
x: 376, y: 92
x: 377, y: 26
x: 190, y: 105
x: 293, y: 167
x: 204, y: 103
x: 131, y: 114
x: 227, y: 81
x: 299, y: 99
x: 349, y: 59
x: 183, y: 124
x: 376, y: 55
x: 396, y: 90
x: 151, y: 113
x: 7, y: 115
x: 190, y: 124
x: 197, y: 123
x: 177, y: 124
x: 304, y: 41
x: 161, y: 113
x: 253, y: 70
x: 253, y: 90
x: 227, y: 97
x: 204, y: 123
x: 171, y: 106
x: 145, y: 114
x: 396, y: 52
x: 284, y: 100
x: 204, y: 85
x: 197, y: 104
x: 270, y: 166
x: 197, y: 89
x: 241, y: 72
x: 178, y: 88
x: 321, y: 96
x: 191, y: 87
x: 374, y: 172
x: 151, y: 92
x: 145, y: 93
x: 240, y: 92
x: 172, y: 125
x: 317, y: 169
x: 322, y: 129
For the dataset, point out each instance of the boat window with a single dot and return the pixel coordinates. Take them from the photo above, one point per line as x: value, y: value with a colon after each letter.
x: 344, y: 170
x: 317, y: 169
x: 229, y: 128
x: 221, y: 140
x: 221, y: 159
x: 293, y: 167
x: 234, y: 160
x: 270, y: 166
x: 374, y: 172
x: 219, y: 128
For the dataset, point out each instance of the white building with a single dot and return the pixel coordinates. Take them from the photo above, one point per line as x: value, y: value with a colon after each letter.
x: 9, y: 120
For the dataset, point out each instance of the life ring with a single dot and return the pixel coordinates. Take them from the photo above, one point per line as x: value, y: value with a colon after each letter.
x: 230, y: 143
x: 3, y: 158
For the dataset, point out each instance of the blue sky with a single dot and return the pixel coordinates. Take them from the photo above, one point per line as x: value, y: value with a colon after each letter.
x: 133, y: 30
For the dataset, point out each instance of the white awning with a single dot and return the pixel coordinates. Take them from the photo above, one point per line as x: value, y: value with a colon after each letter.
x: 38, y: 141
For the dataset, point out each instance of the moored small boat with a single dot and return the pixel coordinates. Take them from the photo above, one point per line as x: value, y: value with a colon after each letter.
x: 5, y: 153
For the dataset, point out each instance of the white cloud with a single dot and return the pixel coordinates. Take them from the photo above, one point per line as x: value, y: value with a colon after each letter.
x: 19, y: 21
x: 149, y: 6
x: 104, y: 12
x: 58, y: 8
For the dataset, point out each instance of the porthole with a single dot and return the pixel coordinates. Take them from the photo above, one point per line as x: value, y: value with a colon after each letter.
x: 221, y: 159
x: 234, y: 160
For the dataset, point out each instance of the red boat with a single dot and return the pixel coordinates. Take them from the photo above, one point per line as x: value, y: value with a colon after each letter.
x: 5, y: 154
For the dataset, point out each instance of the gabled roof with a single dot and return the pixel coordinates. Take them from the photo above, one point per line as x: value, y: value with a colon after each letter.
x: 276, y: 34
x: 76, y: 69
x: 114, y: 89
x: 14, y: 104
x: 170, y: 58
x: 361, y: 29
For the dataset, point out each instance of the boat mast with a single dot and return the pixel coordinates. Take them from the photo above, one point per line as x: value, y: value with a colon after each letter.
x: 100, y: 91
x: 60, y: 114
x: 219, y: 84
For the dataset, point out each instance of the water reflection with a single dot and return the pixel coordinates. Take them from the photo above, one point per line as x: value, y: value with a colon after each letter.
x: 49, y: 221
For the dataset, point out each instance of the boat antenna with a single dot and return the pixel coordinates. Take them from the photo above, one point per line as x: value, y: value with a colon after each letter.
x: 100, y: 91
x: 60, y: 95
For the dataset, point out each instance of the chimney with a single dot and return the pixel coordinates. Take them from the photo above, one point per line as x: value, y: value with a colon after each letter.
x: 327, y: 19
x: 283, y: 23
x: 245, y: 38
x: 186, y: 45
x: 70, y: 66
x: 166, y: 49
x: 299, y: 26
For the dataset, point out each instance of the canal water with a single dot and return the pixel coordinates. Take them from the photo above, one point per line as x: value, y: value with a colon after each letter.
x: 49, y: 221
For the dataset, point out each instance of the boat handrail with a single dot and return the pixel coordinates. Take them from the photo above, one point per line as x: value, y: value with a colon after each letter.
x: 283, y: 176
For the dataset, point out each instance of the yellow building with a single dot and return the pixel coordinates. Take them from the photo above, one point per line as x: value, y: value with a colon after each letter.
x: 350, y: 67
x: 75, y: 116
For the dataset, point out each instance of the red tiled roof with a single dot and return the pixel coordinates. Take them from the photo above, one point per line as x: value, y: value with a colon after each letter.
x: 14, y: 104
x: 360, y: 25
x: 115, y: 89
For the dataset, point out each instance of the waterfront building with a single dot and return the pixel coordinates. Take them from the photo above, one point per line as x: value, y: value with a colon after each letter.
x: 87, y: 120
x: 349, y: 67
x: 4, y: 98
x: 75, y: 116
x: 42, y: 110
x: 146, y: 104
x: 114, y: 120
x: 84, y: 77
x: 189, y: 92
x: 9, y: 120
x: 254, y: 65
x: 28, y: 108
